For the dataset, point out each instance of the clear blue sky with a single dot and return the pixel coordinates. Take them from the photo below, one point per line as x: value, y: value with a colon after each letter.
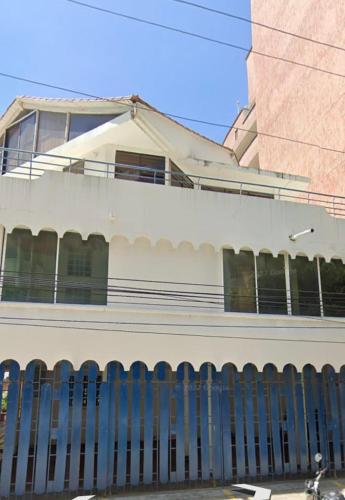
x: 64, y: 44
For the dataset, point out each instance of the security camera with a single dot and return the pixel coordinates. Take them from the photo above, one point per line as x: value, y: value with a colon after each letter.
x: 293, y: 237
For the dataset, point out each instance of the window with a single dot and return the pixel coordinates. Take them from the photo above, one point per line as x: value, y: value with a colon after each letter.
x: 140, y: 167
x: 333, y: 287
x: 179, y: 178
x: 271, y: 284
x: 51, y: 130
x: 19, y: 136
x: 29, y: 271
x: 239, y: 281
x: 237, y: 191
x: 305, y: 296
x: 82, y: 270
x: 80, y: 123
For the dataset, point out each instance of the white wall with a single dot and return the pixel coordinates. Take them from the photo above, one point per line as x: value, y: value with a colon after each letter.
x: 168, y: 234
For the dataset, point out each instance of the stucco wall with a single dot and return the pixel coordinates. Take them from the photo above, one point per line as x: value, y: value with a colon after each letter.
x: 168, y: 234
x: 297, y: 102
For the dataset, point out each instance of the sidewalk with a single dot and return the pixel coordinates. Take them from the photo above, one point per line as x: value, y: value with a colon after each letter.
x: 281, y: 490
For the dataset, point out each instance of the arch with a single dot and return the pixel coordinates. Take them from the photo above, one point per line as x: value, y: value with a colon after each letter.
x: 185, y: 245
x: 162, y: 371
x: 137, y: 370
x: 164, y: 244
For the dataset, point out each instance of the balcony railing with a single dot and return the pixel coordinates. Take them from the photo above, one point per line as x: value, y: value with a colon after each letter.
x: 31, y: 165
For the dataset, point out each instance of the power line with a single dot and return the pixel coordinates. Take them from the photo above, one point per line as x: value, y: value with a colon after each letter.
x: 256, y: 23
x: 176, y: 334
x: 183, y: 325
x: 170, y: 115
x: 203, y: 37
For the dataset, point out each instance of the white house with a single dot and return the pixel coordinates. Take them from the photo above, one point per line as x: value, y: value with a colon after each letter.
x: 129, y: 238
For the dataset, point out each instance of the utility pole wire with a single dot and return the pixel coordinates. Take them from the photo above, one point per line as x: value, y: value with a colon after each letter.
x: 256, y: 23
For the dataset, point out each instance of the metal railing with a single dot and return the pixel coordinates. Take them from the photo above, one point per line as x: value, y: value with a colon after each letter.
x: 31, y: 165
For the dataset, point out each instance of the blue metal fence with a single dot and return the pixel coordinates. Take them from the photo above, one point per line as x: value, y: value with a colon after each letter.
x: 87, y: 430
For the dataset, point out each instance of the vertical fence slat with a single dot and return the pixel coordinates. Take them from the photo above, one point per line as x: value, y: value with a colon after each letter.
x: 192, y: 427
x: 111, y: 378
x: 319, y: 396
x: 342, y: 406
x: 164, y: 414
x: 24, y: 429
x: 310, y: 414
x: 135, y: 425
x: 239, y: 425
x: 148, y: 428
x: 262, y: 425
x: 301, y: 424
x: 289, y: 383
x: 76, y: 429
x: 62, y: 430
x: 334, y: 416
x: 103, y: 437
x: 90, y: 427
x: 217, y: 456
x: 10, y: 429
x: 204, y: 416
x: 43, y: 438
x: 122, y: 431
x: 275, y: 418
x: 248, y: 373
x: 180, y: 450
x: 226, y: 425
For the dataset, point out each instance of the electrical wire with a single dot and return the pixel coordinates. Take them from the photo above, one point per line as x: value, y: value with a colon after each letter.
x: 168, y: 325
x: 256, y: 23
x: 202, y: 37
x: 170, y: 115
x: 192, y: 335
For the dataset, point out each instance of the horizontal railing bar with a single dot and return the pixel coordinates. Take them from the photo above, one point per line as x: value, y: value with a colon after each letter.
x: 165, y: 172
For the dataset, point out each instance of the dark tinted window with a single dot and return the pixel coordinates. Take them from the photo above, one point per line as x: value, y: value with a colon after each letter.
x: 304, y: 284
x: 271, y: 284
x: 30, y: 266
x: 179, y: 178
x: 140, y: 167
x: 333, y: 287
x: 84, y: 123
x: 51, y: 130
x: 239, y: 281
x: 20, y: 136
x: 83, y: 270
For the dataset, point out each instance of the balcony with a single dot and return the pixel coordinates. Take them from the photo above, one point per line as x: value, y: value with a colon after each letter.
x: 31, y: 166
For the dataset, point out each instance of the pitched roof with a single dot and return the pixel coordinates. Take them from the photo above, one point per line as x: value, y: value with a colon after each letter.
x: 25, y: 102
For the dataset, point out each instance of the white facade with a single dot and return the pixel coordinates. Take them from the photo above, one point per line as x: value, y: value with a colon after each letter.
x: 165, y: 237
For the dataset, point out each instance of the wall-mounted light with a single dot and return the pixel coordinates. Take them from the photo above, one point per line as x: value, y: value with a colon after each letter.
x: 293, y: 237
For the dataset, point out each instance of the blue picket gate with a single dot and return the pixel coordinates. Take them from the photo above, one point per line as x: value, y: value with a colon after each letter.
x: 90, y: 430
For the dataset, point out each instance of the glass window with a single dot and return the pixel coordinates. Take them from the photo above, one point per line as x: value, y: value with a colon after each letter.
x: 29, y: 266
x: 305, y: 297
x: 19, y: 136
x: 82, y: 270
x: 2, y: 145
x: 179, y: 178
x: 333, y: 287
x: 84, y: 123
x: 51, y: 130
x: 239, y: 281
x: 150, y: 168
x: 271, y: 284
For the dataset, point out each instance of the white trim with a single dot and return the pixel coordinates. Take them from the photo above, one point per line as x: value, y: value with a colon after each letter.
x: 320, y: 286
x: 256, y: 284
x: 2, y: 256
x: 56, y: 268
x: 287, y: 283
